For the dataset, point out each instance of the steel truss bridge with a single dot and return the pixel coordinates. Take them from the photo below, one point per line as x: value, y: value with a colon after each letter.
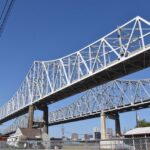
x: 121, y: 52
x: 115, y: 96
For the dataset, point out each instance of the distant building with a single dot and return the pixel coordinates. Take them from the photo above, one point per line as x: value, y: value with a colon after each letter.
x: 138, y: 132
x: 109, y: 133
x: 74, y: 136
x: 88, y: 136
x: 96, y: 134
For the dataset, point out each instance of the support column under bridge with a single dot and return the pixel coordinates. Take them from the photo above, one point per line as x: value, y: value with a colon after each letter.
x: 44, y: 108
x: 31, y: 116
x: 116, y: 118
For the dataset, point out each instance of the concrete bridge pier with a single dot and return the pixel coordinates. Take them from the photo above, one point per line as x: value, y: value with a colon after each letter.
x: 116, y: 118
x: 31, y: 115
x: 103, y: 125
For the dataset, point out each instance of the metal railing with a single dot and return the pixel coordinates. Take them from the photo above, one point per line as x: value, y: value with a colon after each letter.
x: 125, y: 144
x: 111, y: 144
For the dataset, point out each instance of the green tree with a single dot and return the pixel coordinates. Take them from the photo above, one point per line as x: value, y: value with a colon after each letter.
x: 143, y: 123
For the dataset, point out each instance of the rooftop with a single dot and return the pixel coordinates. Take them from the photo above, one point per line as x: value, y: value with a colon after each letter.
x: 138, y: 131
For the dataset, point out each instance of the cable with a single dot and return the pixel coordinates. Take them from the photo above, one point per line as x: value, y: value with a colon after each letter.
x: 5, y: 13
x: 3, y: 10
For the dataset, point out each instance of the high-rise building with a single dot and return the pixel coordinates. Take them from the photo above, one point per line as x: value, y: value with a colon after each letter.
x: 96, y: 134
x: 109, y: 133
x: 74, y: 136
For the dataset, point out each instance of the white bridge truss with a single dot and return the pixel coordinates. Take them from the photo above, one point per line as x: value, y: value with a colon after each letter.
x: 112, y: 97
x: 47, y: 78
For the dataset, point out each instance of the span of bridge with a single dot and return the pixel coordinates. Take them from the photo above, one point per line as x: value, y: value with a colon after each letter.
x: 112, y: 98
x: 121, y: 52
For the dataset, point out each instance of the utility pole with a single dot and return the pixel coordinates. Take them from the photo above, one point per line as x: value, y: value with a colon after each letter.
x: 63, y: 132
x: 137, y: 120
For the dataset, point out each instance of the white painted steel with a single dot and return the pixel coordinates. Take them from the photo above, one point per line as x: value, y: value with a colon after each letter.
x: 48, y: 77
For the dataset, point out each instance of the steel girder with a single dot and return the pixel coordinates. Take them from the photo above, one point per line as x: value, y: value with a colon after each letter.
x: 46, y: 78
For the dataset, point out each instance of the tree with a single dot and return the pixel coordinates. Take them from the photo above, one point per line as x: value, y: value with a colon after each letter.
x: 143, y: 123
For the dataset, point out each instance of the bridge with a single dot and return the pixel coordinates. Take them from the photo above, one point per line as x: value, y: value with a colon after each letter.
x: 121, y: 52
x: 117, y: 96
x: 114, y: 97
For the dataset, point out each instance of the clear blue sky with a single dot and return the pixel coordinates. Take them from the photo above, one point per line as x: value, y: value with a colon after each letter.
x: 48, y: 29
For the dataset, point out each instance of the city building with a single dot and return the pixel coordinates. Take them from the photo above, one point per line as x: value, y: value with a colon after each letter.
x: 109, y: 133
x: 74, y: 136
x: 96, y: 134
x: 88, y: 136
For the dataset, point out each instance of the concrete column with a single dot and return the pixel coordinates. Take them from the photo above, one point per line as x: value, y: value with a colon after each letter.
x: 45, y: 119
x: 31, y: 115
x: 117, y: 125
x: 103, y: 125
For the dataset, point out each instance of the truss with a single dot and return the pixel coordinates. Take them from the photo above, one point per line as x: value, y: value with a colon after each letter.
x: 46, y: 78
x: 20, y: 122
x: 115, y: 96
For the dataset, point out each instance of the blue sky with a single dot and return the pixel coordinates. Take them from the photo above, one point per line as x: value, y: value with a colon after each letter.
x: 49, y: 29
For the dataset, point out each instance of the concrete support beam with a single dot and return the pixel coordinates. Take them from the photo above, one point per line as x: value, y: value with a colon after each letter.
x: 117, y: 125
x: 103, y: 125
x: 31, y: 115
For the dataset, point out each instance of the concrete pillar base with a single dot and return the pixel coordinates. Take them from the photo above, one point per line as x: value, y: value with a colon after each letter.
x: 103, y: 126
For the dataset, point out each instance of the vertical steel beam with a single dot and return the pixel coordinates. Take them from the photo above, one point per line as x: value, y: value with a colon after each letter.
x: 117, y: 125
